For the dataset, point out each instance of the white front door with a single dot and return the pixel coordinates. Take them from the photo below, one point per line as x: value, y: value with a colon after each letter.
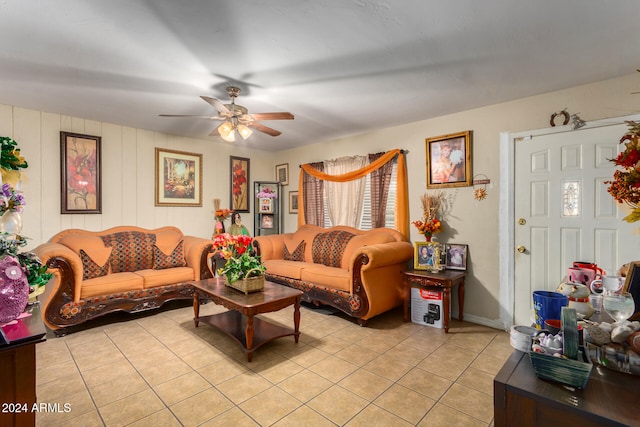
x: 562, y: 211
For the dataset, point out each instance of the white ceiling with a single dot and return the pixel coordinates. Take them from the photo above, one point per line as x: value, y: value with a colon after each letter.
x: 341, y: 67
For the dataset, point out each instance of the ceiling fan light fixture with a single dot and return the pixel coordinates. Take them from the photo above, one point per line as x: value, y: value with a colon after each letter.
x: 225, y: 129
x: 244, y: 131
x: 229, y: 137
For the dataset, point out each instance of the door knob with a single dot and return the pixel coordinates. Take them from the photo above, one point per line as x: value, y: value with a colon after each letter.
x: 521, y: 249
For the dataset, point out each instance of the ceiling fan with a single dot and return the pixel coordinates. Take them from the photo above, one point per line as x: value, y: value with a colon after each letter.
x: 236, y: 117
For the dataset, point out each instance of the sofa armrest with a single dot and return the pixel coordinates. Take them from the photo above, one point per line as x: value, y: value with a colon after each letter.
x: 48, y: 252
x: 197, y: 252
x: 383, y: 254
x: 272, y: 246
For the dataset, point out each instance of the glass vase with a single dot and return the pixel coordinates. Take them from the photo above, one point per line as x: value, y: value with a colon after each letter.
x: 11, y: 222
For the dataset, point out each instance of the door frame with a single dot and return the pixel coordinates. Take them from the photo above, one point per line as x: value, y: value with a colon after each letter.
x: 506, y: 211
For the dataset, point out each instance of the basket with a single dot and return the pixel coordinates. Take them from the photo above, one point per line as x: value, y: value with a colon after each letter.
x: 572, y: 372
x: 252, y: 284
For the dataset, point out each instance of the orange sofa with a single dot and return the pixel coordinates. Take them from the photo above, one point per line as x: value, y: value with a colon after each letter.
x: 123, y: 268
x: 356, y: 271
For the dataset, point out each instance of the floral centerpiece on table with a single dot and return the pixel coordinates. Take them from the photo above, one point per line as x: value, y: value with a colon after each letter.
x: 625, y: 186
x: 11, y: 200
x: 430, y: 224
x: 241, y: 263
x: 266, y: 193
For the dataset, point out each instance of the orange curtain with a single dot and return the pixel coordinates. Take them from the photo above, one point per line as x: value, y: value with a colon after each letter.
x: 402, y: 196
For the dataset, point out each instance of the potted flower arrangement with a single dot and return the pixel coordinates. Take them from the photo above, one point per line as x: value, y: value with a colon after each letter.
x: 431, y: 207
x: 243, y: 270
x: 625, y: 186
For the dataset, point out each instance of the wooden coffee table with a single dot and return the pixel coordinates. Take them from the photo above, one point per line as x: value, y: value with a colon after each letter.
x: 240, y: 322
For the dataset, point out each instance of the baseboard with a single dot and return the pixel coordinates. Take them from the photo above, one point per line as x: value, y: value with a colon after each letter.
x: 492, y: 323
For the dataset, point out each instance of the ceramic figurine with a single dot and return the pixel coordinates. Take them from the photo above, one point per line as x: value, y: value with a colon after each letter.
x: 578, y: 298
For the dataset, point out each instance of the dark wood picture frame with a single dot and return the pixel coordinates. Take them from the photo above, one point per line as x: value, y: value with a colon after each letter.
x: 282, y: 174
x: 178, y: 178
x: 632, y: 285
x: 80, y: 173
x: 293, y: 202
x: 453, y: 168
x: 452, y: 251
x: 239, y: 183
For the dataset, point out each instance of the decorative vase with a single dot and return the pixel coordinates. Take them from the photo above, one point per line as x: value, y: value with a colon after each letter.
x: 14, y: 289
x: 11, y: 222
x: 428, y: 237
x: 219, y: 228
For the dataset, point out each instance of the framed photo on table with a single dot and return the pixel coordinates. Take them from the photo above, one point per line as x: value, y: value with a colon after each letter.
x: 448, y: 162
x: 178, y: 178
x: 456, y: 256
x: 80, y: 177
x: 427, y: 256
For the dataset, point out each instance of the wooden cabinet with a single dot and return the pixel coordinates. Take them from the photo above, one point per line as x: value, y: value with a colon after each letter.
x: 18, y: 368
x: 522, y: 399
x: 268, y: 218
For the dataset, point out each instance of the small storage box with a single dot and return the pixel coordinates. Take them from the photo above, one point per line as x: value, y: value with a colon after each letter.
x: 426, y: 307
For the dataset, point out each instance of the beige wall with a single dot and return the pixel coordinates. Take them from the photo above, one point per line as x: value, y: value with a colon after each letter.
x: 128, y: 171
x: 471, y: 222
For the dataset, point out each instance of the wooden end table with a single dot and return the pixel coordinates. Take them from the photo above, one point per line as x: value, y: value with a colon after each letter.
x: 443, y: 280
x: 240, y: 322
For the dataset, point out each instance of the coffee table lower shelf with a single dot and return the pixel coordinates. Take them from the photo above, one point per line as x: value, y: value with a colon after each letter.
x: 234, y: 324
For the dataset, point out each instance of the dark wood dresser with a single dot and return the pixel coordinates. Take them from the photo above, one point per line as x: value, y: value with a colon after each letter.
x: 18, y: 368
x: 521, y: 399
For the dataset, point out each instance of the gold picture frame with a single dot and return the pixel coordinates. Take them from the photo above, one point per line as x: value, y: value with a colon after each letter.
x: 427, y: 256
x: 449, y: 160
x: 178, y: 178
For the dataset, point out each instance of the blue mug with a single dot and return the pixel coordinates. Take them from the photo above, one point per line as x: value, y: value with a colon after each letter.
x: 547, y: 305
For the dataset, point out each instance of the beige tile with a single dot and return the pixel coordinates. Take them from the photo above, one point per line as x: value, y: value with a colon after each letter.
x: 487, y: 363
x: 79, y: 403
x: 162, y: 418
x: 131, y: 409
x: 473, y: 403
x: 87, y: 346
x: 165, y: 371
x: 278, y: 369
x: 304, y: 416
x: 99, y: 358
x: 330, y: 344
x: 333, y: 368
x: 426, y: 383
x: 373, y: 415
x: 119, y: 388
x: 477, y: 380
x: 448, y: 361
x: 270, y: 406
x: 200, y: 358
x: 181, y: 388
x: 307, y: 356
x: 233, y: 417
x: 366, y: 384
x: 55, y: 371
x: 387, y: 367
x: 305, y: 385
x: 356, y: 354
x: 88, y: 419
x: 405, y: 403
x: 444, y: 416
x: 221, y: 371
x: 337, y: 404
x: 151, y: 358
x: 243, y: 387
x: 47, y: 354
x: 377, y: 343
x: 58, y: 390
x: 201, y: 407
x: 106, y: 373
x: 406, y: 354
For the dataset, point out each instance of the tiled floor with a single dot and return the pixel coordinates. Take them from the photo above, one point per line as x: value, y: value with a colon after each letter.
x: 159, y: 370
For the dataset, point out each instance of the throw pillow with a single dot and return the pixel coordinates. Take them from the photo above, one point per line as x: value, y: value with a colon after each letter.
x: 132, y: 250
x: 174, y: 259
x: 297, y: 254
x: 90, y: 269
x: 328, y: 248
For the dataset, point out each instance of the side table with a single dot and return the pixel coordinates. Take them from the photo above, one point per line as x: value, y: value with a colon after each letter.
x: 444, y: 280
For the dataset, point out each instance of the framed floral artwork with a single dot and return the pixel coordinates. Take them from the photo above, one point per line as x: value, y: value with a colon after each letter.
x: 239, y: 167
x: 178, y: 178
x: 449, y: 160
x: 80, y: 173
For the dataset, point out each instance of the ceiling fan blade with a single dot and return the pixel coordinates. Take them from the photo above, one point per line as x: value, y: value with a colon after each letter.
x: 216, y: 104
x: 272, y: 116
x: 265, y: 129
x: 190, y: 115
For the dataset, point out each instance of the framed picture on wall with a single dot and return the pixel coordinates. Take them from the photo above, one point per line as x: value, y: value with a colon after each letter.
x: 239, y: 170
x: 282, y: 174
x: 456, y: 256
x: 178, y: 178
x: 448, y: 162
x: 293, y: 202
x: 80, y: 175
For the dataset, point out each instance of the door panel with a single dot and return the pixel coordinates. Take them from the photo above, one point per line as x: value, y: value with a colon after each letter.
x: 561, y: 195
